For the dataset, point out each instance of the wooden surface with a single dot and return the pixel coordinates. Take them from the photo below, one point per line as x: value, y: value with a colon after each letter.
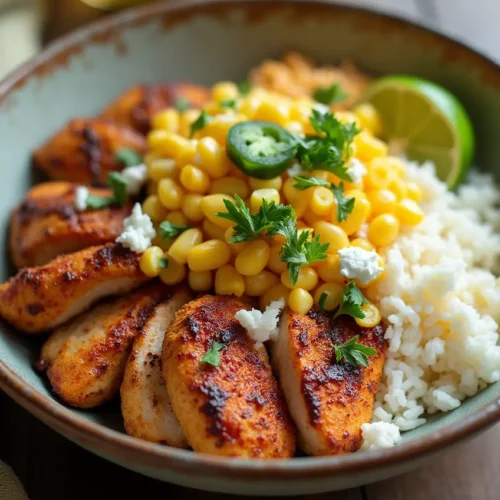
x: 50, y: 467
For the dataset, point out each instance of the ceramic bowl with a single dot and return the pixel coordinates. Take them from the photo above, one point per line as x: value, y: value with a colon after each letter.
x: 206, y: 41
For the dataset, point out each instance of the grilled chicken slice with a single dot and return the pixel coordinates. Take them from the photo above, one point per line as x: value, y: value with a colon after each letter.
x: 136, y: 106
x: 235, y: 408
x: 37, y: 299
x: 85, y: 358
x: 84, y: 151
x: 46, y: 224
x: 328, y: 400
x: 146, y: 408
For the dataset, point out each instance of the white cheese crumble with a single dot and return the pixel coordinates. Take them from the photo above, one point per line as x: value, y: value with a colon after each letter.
x: 379, y: 435
x: 295, y: 169
x: 321, y: 108
x: 356, y: 263
x: 138, y: 231
x: 261, y: 326
x: 356, y: 170
x: 135, y: 176
x: 81, y: 196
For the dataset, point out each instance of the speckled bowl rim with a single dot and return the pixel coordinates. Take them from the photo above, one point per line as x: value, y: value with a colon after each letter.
x: 97, y: 436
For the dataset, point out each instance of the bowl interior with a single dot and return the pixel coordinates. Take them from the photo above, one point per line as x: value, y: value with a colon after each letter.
x: 206, y: 44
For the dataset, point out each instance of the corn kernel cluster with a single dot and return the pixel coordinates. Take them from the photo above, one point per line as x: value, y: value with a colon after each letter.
x: 189, y: 178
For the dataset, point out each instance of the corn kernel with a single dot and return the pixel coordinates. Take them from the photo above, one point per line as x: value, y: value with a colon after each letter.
x: 188, y: 154
x: 276, y: 292
x: 229, y: 282
x: 372, y: 316
x: 298, y: 199
x: 231, y: 186
x: 186, y: 119
x: 160, y: 242
x: 256, y: 198
x: 383, y: 230
x: 413, y: 192
x: 273, y: 111
x: 236, y: 248
x: 212, y: 158
x: 382, y: 201
x: 274, y: 183
x: 168, y: 120
x: 360, y: 213
x: 200, y: 281
x: 174, y: 273
x: 308, y: 278
x: 194, y: 179
x: 364, y: 244
x: 150, y: 262
x: 219, y: 127
x: 329, y: 269
x: 191, y: 207
x: 253, y: 258
x: 333, y: 293
x: 176, y: 217
x: 170, y: 194
x: 152, y: 188
x: 224, y: 90
x: 275, y: 263
x: 258, y: 284
x: 300, y: 301
x: 398, y: 187
x: 183, y: 243
x: 408, y: 212
x: 322, y: 200
x: 329, y: 233
x: 214, y: 203
x: 161, y: 168
x: 213, y: 231
x: 379, y: 174
x: 208, y: 255
x: 152, y: 207
x: 294, y: 127
x: 369, y: 147
x: 166, y: 144
x: 369, y: 118
x: 300, y: 110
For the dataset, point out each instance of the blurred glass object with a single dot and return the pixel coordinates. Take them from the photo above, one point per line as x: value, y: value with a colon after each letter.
x: 112, y: 4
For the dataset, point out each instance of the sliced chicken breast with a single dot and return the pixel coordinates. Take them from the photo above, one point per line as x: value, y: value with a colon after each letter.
x: 84, y: 151
x: 146, y: 408
x: 46, y: 224
x: 38, y: 299
x: 235, y: 408
x: 85, y: 358
x: 137, y: 106
x: 328, y: 400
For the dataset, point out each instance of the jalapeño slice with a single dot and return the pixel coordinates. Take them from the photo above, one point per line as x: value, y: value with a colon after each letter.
x: 260, y: 149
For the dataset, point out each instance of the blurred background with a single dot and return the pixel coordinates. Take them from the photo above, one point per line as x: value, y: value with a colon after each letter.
x: 27, y: 25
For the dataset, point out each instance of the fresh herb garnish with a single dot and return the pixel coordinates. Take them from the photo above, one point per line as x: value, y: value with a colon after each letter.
x: 201, y: 122
x: 244, y: 88
x: 250, y: 226
x: 169, y: 231
x: 353, y: 353
x: 229, y: 104
x: 163, y: 263
x: 118, y: 184
x: 212, y: 356
x: 321, y: 301
x: 329, y: 95
x: 182, y: 104
x: 351, y: 301
x: 128, y: 157
x: 302, y: 183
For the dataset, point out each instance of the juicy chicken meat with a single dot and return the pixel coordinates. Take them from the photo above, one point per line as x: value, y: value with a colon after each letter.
x: 84, y: 151
x: 85, y: 358
x: 329, y: 401
x: 46, y: 224
x: 37, y: 299
x: 235, y: 408
x: 137, y: 105
x: 146, y: 408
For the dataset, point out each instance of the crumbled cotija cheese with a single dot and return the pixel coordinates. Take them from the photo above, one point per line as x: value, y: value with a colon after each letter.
x: 356, y: 263
x: 261, y: 326
x: 81, y: 196
x: 135, y: 176
x: 356, y: 170
x: 138, y: 231
x: 379, y: 435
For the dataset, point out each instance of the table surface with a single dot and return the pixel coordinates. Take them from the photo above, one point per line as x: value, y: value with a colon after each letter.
x: 50, y: 467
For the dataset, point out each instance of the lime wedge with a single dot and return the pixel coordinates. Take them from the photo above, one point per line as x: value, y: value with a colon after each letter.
x: 424, y: 122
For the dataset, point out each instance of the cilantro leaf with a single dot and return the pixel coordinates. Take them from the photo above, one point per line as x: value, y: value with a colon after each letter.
x: 128, y: 157
x: 353, y: 353
x: 168, y: 231
x: 250, y: 226
x: 244, y: 88
x: 98, y: 202
x: 303, y: 183
x: 321, y: 301
x: 182, y: 104
x: 351, y: 301
x: 345, y: 205
x: 201, y: 122
x: 118, y: 184
x: 229, y: 104
x: 163, y: 263
x: 212, y: 356
x: 329, y: 95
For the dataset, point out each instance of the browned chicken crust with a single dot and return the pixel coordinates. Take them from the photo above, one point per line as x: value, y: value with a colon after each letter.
x: 328, y: 400
x: 85, y: 358
x: 234, y: 409
x: 46, y: 224
x: 84, y: 151
x: 136, y: 106
x: 37, y: 299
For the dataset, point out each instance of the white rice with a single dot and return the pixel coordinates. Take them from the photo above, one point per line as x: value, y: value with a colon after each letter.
x: 441, y: 302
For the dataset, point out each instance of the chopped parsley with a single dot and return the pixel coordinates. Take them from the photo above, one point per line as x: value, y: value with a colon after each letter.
x: 118, y: 184
x: 169, y: 231
x: 229, y: 104
x: 212, y: 356
x: 302, y: 183
x: 353, y: 353
x: 321, y: 301
x: 200, y: 123
x: 163, y: 263
x: 329, y: 95
x: 351, y: 301
x: 128, y: 157
x: 244, y: 88
x: 182, y: 104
